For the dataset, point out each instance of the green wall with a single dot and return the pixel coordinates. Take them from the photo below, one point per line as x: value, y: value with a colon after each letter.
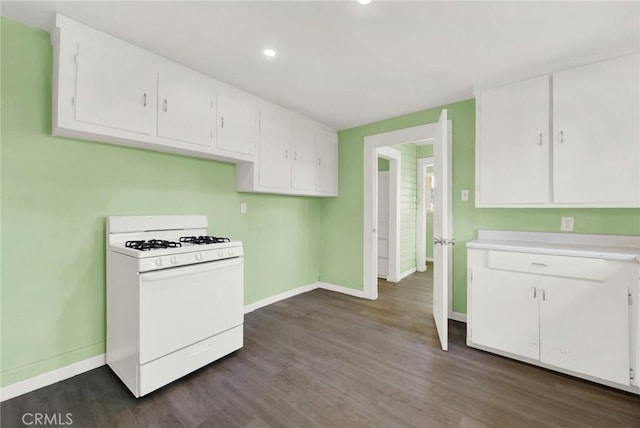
x: 57, y: 192
x: 342, y: 218
x: 425, y: 151
x: 383, y: 164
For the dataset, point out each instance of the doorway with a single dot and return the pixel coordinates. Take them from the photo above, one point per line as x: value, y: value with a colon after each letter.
x: 388, y: 213
x: 424, y: 220
x: 440, y: 134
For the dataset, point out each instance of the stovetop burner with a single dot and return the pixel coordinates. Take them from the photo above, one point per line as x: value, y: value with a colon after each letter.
x: 200, y: 240
x: 151, y: 244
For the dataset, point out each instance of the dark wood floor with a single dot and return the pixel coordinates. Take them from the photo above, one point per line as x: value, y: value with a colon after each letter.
x: 329, y: 360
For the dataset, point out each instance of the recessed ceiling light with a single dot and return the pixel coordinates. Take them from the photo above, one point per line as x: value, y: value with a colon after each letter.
x: 364, y: 2
x: 269, y: 52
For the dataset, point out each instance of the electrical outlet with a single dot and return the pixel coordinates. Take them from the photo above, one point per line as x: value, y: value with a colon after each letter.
x: 243, y: 208
x: 566, y: 224
x: 464, y: 195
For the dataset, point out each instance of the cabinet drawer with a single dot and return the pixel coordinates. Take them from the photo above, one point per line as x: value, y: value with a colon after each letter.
x: 572, y: 267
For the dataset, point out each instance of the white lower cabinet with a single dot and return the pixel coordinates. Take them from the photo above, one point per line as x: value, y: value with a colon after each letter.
x: 584, y: 327
x: 554, y: 311
x: 511, y: 296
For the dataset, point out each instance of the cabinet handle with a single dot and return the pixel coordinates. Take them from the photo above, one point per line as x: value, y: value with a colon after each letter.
x: 144, y: 99
x: 295, y: 155
x: 539, y: 264
x: 165, y: 105
x: 544, y: 295
x: 319, y: 161
x: 286, y: 154
x: 535, y: 292
x: 561, y: 137
x: 222, y: 122
x: 540, y: 140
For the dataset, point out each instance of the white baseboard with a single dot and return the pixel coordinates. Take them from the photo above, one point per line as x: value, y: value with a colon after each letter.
x: 428, y: 259
x: 406, y: 273
x: 402, y: 276
x: 278, y: 297
x: 458, y: 316
x: 19, y: 388
x: 343, y: 290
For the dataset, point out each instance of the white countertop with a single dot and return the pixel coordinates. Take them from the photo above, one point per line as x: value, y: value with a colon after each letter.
x: 611, y: 247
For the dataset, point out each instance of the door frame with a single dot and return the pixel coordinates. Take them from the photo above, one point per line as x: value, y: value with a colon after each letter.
x: 421, y: 219
x: 395, y: 158
x: 416, y: 134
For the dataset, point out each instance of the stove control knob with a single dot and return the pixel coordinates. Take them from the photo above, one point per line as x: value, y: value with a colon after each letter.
x: 173, y: 260
x: 199, y: 256
x: 159, y: 262
x: 231, y: 252
x: 221, y: 253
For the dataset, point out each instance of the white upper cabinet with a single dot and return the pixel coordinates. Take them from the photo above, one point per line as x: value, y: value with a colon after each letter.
x: 593, y: 158
x: 513, y: 143
x: 114, y: 89
x: 186, y: 107
x: 275, y: 150
x: 327, y: 147
x: 296, y: 157
x: 596, y: 150
x: 108, y: 90
x: 237, y: 125
x: 303, y: 162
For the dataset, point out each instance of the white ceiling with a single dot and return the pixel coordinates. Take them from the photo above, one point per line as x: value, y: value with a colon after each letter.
x: 345, y: 64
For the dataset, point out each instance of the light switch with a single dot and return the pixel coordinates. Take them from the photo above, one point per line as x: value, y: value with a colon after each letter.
x: 243, y: 208
x: 566, y: 224
x: 464, y: 195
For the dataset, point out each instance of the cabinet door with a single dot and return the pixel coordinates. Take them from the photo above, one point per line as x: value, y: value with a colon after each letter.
x: 114, y: 89
x: 237, y: 126
x: 513, y: 144
x: 584, y: 327
x: 596, y: 147
x: 327, y: 147
x: 186, y: 107
x: 275, y: 150
x: 304, y: 169
x: 504, y: 311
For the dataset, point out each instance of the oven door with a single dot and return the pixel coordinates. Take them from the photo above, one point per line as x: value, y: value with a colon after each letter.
x: 184, y: 305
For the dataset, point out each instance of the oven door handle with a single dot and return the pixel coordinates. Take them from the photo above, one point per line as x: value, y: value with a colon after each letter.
x: 183, y: 271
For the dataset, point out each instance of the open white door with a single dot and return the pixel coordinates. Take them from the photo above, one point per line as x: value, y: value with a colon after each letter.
x: 442, y: 236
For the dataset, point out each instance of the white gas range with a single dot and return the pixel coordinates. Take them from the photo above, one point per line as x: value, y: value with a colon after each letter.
x: 174, y: 298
